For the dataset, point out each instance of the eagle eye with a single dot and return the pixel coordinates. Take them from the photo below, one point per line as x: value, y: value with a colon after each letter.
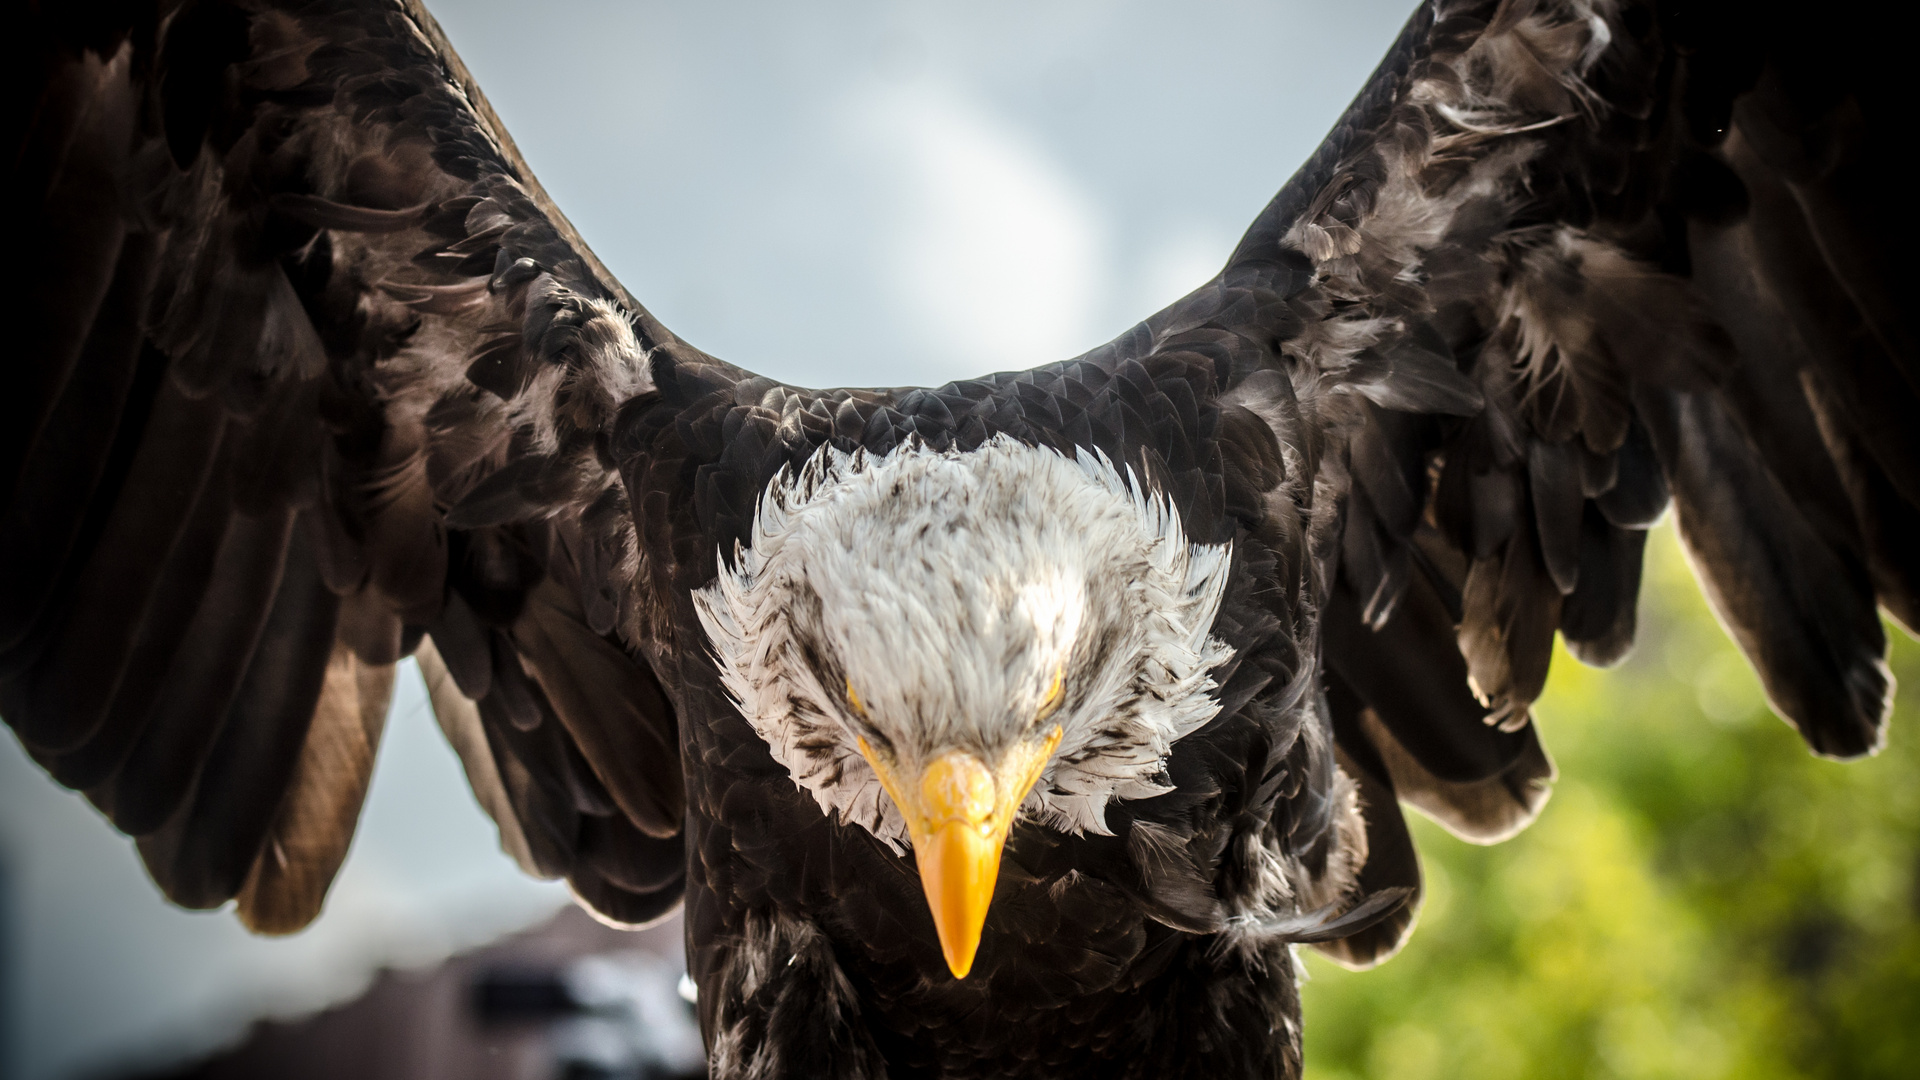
x: 1056, y: 693
x: 863, y: 723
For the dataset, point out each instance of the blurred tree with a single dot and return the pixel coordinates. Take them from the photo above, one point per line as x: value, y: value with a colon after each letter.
x: 1701, y: 898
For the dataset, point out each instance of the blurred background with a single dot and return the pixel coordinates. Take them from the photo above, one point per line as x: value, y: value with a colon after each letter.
x: 848, y: 193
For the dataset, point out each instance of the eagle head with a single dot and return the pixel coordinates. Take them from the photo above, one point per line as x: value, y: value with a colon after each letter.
x: 937, y: 643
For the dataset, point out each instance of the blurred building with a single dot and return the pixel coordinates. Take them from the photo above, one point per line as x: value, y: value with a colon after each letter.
x: 570, y: 999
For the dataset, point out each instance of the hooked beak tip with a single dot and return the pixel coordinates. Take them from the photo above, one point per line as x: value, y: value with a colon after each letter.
x: 959, y: 865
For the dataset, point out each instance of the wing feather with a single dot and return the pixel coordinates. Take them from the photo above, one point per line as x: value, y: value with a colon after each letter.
x: 309, y: 833
x: 460, y: 721
x: 300, y: 296
x: 1658, y: 243
x: 210, y: 843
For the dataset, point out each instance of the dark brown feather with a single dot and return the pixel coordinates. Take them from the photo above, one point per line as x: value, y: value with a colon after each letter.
x: 1392, y: 862
x: 152, y: 559
x: 310, y: 832
x: 1800, y: 612
x: 52, y: 515
x: 205, y: 852
x: 193, y: 697
x: 611, y: 706
x: 1481, y: 811
x: 1412, y: 675
x: 1597, y: 621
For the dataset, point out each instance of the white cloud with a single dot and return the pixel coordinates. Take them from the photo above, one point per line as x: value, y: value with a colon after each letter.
x: 994, y: 254
x: 1176, y: 264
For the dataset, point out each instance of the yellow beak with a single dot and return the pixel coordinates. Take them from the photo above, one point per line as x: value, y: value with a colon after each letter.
x: 958, y: 813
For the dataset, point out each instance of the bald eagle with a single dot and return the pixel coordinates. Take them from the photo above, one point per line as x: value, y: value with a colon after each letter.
x: 1017, y: 726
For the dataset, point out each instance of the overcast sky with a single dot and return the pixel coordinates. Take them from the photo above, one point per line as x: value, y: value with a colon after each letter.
x: 830, y: 194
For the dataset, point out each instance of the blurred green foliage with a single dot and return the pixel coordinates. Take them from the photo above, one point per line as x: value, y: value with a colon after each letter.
x: 1701, y: 897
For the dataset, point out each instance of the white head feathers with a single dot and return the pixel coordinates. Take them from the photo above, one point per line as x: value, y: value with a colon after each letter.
x: 949, y: 590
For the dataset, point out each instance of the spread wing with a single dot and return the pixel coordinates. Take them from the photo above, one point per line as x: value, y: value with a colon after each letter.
x: 1560, y: 266
x: 312, y: 376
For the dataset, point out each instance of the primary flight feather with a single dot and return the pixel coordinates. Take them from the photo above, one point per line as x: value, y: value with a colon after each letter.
x: 1019, y: 726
